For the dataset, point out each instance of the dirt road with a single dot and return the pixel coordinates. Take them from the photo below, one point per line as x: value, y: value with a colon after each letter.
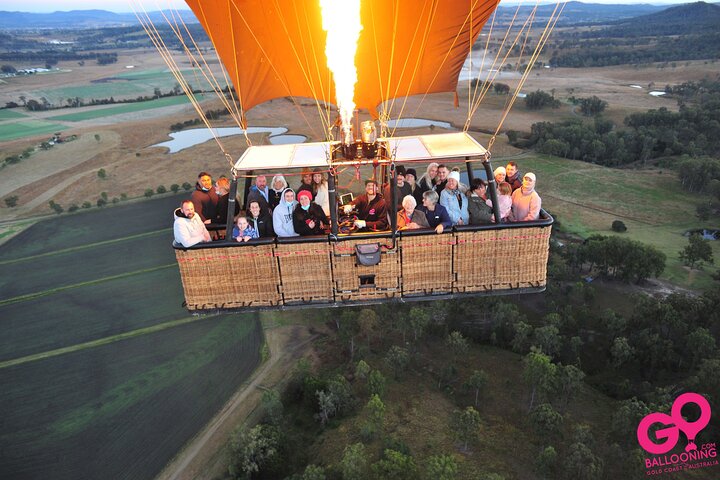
x: 205, y: 456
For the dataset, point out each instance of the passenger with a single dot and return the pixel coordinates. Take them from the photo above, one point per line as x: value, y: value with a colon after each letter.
x: 372, y: 209
x: 306, y: 182
x: 504, y: 201
x: 427, y: 181
x: 514, y: 177
x: 308, y: 217
x: 526, y: 203
x: 320, y: 191
x: 437, y: 215
x: 222, y: 188
x: 442, y: 177
x: 204, y: 198
x: 480, y: 211
x: 454, y: 200
x: 499, y: 174
x: 260, y: 193
x: 243, y: 232
x: 278, y: 185
x: 260, y: 221
x: 189, y: 228
x: 403, y: 189
x: 410, y: 217
x: 283, y: 215
x: 415, y: 191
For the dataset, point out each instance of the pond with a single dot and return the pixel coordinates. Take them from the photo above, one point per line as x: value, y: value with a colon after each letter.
x: 417, y: 123
x: 656, y: 93
x: 189, y: 138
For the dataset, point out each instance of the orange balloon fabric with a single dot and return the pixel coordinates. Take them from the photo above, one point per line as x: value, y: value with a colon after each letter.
x: 276, y: 48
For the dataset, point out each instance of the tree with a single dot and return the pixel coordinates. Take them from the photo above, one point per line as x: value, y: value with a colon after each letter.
x: 457, y: 344
x: 376, y: 383
x: 501, y: 88
x: 521, y: 341
x: 570, y: 379
x: 86, y: 204
x: 376, y: 415
x: 697, y: 251
x: 101, y: 202
x: 397, y: 359
x: 362, y: 370
x: 174, y: 188
x: 618, y: 226
x: 367, y: 323
x: 701, y: 345
x: 354, y: 464
x: 545, y: 420
x: 548, y: 339
x: 11, y: 201
x: 348, y: 328
x: 327, y: 403
x: 441, y: 467
x: 477, y: 382
x: 273, y: 407
x: 161, y: 189
x: 592, y: 106
x: 8, y: 69
x: 582, y: 464
x: 186, y: 186
x: 56, y: 207
x: 466, y: 425
x: 546, y: 462
x: 621, y: 352
x: 313, y: 472
x: 251, y: 449
x: 97, y: 137
x: 395, y: 465
x: 149, y: 192
x: 539, y: 373
x: 419, y: 320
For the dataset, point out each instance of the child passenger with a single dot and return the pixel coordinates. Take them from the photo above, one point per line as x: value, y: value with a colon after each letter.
x: 242, y: 232
x: 504, y: 201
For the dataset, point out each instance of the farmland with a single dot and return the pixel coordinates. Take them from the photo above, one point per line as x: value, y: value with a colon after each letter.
x: 100, y: 363
x: 117, y: 110
x: 27, y: 128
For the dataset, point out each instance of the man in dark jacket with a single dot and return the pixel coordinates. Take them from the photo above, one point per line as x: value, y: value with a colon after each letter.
x: 372, y: 209
x: 513, y: 176
x: 260, y: 220
x: 260, y: 193
x: 403, y: 188
x: 204, y: 198
x: 308, y: 217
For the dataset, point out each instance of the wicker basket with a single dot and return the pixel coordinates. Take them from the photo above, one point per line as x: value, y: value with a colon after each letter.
x: 355, y: 282
x: 426, y: 264
x: 500, y: 259
x: 305, y: 276
x: 232, y: 277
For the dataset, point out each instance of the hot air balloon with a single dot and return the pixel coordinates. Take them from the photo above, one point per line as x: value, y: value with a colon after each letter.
x: 294, y: 48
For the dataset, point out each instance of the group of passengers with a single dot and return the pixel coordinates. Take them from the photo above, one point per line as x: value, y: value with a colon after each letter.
x: 436, y: 200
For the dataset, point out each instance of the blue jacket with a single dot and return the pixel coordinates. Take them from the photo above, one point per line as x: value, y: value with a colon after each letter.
x: 437, y: 216
x: 457, y: 205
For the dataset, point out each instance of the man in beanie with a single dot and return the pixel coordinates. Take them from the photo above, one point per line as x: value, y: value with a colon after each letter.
x: 403, y: 188
x: 372, y: 209
x: 526, y: 203
x: 308, y: 217
x: 205, y: 198
x: 455, y: 201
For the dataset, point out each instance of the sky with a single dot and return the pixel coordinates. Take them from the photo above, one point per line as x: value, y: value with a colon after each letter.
x: 127, y: 5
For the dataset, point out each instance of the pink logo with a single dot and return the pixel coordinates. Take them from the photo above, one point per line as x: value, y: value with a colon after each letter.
x: 674, y: 424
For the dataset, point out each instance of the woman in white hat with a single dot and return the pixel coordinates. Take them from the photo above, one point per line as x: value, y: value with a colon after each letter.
x: 455, y: 201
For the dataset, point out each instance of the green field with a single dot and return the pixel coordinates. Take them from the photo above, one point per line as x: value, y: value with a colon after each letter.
x: 129, y: 84
x: 99, y: 358
x: 6, y: 114
x: 124, y: 108
x: 27, y: 128
x: 587, y: 198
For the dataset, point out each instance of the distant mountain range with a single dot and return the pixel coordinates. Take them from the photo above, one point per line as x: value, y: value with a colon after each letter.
x: 81, y: 19
x: 573, y: 13
x: 689, y: 18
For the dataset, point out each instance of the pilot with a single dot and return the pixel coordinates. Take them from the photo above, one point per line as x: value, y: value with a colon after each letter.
x: 371, y: 208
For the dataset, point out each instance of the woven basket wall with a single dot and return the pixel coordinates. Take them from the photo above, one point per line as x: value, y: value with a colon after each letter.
x: 501, y: 259
x: 347, y: 273
x: 427, y: 264
x: 305, y: 275
x: 229, y: 277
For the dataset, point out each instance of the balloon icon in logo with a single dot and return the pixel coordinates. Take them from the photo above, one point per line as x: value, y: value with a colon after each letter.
x: 691, y: 429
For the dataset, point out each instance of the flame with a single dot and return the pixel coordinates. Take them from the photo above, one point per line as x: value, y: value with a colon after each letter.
x: 341, y: 21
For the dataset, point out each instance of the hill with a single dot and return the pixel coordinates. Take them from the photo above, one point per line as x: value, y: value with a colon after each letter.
x: 693, y: 18
x: 583, y: 13
x: 80, y: 19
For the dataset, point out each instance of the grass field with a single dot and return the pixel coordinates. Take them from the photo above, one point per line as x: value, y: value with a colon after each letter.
x: 587, y: 198
x: 99, y: 359
x: 123, y: 85
x: 117, y: 110
x: 6, y: 114
x: 27, y: 128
